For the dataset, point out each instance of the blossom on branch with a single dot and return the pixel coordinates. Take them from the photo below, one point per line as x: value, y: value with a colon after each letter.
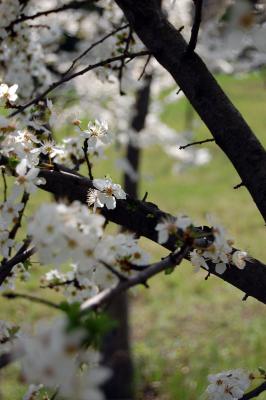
x: 106, y: 194
x: 228, y: 385
x: 8, y: 93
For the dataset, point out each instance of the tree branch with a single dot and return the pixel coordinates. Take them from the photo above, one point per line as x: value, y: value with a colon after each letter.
x: 194, y: 143
x: 196, y: 26
x: 255, y: 392
x: 76, y: 5
x: 7, y: 266
x: 141, y: 278
x: 226, y: 124
x: 85, y: 52
x: 141, y: 218
x: 67, y: 78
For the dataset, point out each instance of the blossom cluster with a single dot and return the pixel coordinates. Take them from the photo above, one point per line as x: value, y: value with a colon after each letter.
x: 21, y: 50
x: 71, y: 234
x: 55, y: 358
x: 216, y: 247
x: 228, y: 385
x: 94, y: 140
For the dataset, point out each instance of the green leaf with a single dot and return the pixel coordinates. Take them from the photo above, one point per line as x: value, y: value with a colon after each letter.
x: 169, y: 270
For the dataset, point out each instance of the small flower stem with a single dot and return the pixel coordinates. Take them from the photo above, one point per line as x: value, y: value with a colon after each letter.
x: 89, y: 165
x: 5, y: 184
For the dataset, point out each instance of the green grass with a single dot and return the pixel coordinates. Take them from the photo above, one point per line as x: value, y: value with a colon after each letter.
x: 185, y: 327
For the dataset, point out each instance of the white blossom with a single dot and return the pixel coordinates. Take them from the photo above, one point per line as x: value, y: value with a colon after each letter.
x: 27, y: 179
x: 106, y: 194
x: 239, y: 259
x: 8, y: 93
x: 52, y: 357
x: 228, y: 385
x: 97, y: 134
x: 169, y: 226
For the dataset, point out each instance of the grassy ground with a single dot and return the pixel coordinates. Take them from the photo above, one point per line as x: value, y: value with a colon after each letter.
x: 185, y: 327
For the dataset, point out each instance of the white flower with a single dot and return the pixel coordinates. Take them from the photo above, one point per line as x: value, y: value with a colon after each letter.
x: 27, y: 179
x: 83, y: 291
x: 167, y: 227
x: 97, y: 134
x: 106, y: 194
x: 50, y: 149
x: 239, y: 259
x: 197, y: 260
x: 183, y: 222
x: 229, y: 385
x: 5, y: 243
x: 8, y: 93
x: 53, y: 357
x: 10, y: 210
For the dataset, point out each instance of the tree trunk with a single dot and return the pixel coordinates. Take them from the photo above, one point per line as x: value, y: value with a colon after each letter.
x: 116, y: 347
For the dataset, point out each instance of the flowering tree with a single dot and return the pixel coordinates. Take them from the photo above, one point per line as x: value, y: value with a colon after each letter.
x: 91, y: 267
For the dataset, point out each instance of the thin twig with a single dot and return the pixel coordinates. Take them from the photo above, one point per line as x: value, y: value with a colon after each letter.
x: 145, y: 66
x: 195, y: 28
x: 34, y: 299
x: 23, y: 17
x: 239, y: 185
x: 120, y: 276
x: 145, y: 196
x: 194, y: 143
x: 108, y: 294
x: 24, y: 200
x: 94, y: 45
x: 83, y: 71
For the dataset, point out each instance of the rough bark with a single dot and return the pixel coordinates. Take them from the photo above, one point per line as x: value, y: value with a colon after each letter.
x: 225, y: 123
x: 142, y: 217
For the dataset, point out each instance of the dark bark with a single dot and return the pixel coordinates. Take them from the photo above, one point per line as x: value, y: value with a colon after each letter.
x: 138, y: 123
x: 116, y: 349
x: 226, y: 124
x: 117, y: 353
x: 142, y: 217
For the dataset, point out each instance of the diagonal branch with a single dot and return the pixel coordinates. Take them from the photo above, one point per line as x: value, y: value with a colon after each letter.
x: 67, y: 78
x: 225, y: 123
x: 85, y: 52
x: 76, y: 5
x: 141, y: 278
x: 255, y: 392
x: 20, y: 256
x: 141, y: 217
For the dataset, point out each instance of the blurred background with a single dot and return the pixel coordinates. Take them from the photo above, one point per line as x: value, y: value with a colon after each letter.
x: 183, y: 327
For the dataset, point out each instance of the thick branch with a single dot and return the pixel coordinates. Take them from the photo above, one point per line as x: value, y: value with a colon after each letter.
x: 142, y: 217
x: 227, y: 126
